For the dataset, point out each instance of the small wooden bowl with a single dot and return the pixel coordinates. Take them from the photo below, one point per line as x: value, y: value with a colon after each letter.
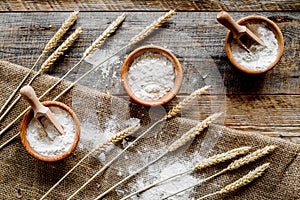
x: 256, y: 20
x: 156, y: 49
x: 29, y: 116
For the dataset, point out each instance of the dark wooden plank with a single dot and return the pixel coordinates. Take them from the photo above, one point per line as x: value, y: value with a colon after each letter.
x: 201, y: 52
x: 273, y: 115
x: 149, y: 5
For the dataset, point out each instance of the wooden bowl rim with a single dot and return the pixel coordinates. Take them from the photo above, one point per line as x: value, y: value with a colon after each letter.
x: 278, y: 34
x: 23, y: 129
x: 177, y: 82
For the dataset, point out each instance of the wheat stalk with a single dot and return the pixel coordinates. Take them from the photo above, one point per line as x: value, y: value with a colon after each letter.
x: 235, y: 165
x: 111, y: 29
x: 61, y: 31
x: 248, y: 178
x: 149, y: 29
x: 191, y: 134
x: 49, y: 46
x: 60, y: 50
x: 205, y: 163
x: 118, y: 137
x: 251, y: 157
x: 175, y: 110
x: 219, y: 158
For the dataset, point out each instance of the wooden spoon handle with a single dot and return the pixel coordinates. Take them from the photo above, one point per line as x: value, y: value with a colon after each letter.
x: 225, y: 19
x: 29, y: 95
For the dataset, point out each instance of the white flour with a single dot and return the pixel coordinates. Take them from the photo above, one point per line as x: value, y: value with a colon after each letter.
x: 151, y: 76
x: 61, y: 143
x: 161, y: 170
x: 261, y: 56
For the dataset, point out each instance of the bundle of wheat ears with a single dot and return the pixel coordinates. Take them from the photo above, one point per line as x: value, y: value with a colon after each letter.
x: 183, y: 140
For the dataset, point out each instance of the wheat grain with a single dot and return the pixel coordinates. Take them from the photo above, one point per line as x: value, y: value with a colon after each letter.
x: 61, y: 31
x: 175, y: 110
x: 110, y: 29
x: 193, y: 132
x: 60, y: 50
x: 149, y: 29
x: 251, y: 157
x: 248, y: 178
x: 216, y: 159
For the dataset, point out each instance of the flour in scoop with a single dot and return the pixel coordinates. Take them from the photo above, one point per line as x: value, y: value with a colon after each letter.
x: 261, y: 57
x: 42, y: 144
x: 151, y: 76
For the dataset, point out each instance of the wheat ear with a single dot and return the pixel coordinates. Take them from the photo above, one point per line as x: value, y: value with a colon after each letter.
x: 61, y: 31
x: 191, y: 134
x: 234, y: 165
x: 149, y: 29
x: 49, y: 46
x: 219, y: 158
x: 175, y: 110
x: 60, y: 50
x: 248, y: 178
x: 63, y: 92
x: 205, y: 163
x: 110, y: 29
x: 118, y: 137
x: 251, y: 157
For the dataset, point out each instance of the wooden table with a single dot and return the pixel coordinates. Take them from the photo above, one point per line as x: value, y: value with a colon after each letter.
x: 267, y: 103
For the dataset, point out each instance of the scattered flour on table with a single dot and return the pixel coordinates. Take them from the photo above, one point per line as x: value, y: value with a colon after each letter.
x: 261, y: 56
x: 91, y: 136
x: 60, y: 143
x: 151, y: 76
x: 161, y: 170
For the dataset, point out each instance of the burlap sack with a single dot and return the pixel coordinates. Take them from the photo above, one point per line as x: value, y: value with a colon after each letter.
x: 24, y: 177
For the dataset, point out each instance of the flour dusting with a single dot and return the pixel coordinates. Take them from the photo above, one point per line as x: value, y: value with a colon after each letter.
x: 261, y: 57
x: 161, y: 170
x: 151, y: 76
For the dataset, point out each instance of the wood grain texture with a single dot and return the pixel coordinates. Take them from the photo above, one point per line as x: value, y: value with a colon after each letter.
x: 201, y: 52
x: 148, y: 5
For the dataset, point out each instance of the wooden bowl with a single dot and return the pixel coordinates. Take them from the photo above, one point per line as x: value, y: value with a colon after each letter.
x: 29, y: 116
x: 256, y: 20
x: 155, y: 49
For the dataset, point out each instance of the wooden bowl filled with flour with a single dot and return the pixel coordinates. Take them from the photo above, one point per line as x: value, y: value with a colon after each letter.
x: 50, y: 146
x: 261, y: 58
x: 152, y: 75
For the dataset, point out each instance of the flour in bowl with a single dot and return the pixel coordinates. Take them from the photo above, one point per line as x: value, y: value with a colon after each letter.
x: 151, y: 76
x: 261, y: 57
x: 45, y: 146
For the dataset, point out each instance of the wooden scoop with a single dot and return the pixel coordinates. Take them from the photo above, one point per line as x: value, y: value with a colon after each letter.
x: 40, y: 111
x: 237, y: 30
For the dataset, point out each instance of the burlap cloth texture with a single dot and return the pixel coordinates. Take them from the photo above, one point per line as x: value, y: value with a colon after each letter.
x: 24, y: 177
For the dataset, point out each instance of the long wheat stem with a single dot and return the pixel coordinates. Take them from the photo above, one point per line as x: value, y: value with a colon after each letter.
x: 235, y: 165
x: 114, y: 159
x: 205, y: 163
x: 130, y: 176
x: 175, y: 145
x: 48, y: 63
x: 245, y: 180
x: 118, y: 137
x: 52, y: 42
x: 53, y: 86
